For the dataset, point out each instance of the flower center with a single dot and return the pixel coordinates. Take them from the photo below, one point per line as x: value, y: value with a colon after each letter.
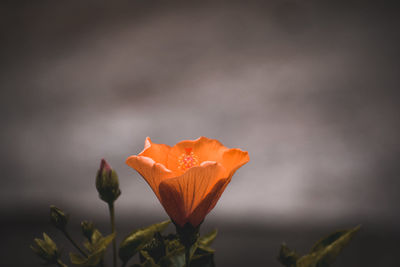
x: 188, y: 160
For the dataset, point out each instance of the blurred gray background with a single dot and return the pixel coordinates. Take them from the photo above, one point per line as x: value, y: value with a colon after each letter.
x: 309, y: 88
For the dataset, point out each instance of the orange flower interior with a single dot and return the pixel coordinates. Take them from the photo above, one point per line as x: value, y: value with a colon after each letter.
x: 188, y: 160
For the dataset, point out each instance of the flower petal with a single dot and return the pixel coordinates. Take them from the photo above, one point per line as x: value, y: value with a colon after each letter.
x: 204, y: 148
x: 157, y: 152
x: 208, y: 203
x: 154, y: 173
x: 181, y: 195
x: 233, y: 159
x: 172, y: 201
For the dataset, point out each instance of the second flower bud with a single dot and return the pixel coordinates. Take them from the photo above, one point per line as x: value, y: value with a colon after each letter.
x: 107, y: 183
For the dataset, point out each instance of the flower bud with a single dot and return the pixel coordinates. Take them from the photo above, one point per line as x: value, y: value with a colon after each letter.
x: 107, y: 183
x: 87, y: 229
x: 46, y: 249
x: 58, y: 218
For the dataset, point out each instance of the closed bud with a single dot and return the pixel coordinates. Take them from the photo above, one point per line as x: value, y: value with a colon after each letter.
x: 107, y: 183
x: 87, y: 229
x: 58, y: 218
x: 46, y: 249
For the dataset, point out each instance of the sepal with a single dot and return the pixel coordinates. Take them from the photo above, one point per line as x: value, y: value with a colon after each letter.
x: 88, y: 230
x: 46, y: 249
x: 58, y: 218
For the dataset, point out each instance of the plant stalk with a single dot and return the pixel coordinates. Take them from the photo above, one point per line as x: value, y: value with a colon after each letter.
x: 112, y: 219
x: 74, y: 243
x: 187, y: 256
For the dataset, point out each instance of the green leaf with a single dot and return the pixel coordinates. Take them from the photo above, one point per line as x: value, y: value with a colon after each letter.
x: 98, y: 242
x: 149, y: 261
x: 76, y: 259
x: 175, y: 258
x: 46, y: 249
x: 87, y: 229
x: 206, y: 240
x: 137, y: 239
x: 94, y: 239
x: 96, y: 236
x: 203, y: 260
x: 203, y: 257
x: 205, y: 249
x: 175, y: 253
x: 41, y: 244
x: 287, y: 256
x: 328, y: 240
x: 96, y: 250
x: 156, y: 248
x: 49, y: 241
x: 173, y: 245
x: 325, y: 251
x: 104, y: 242
x: 92, y: 260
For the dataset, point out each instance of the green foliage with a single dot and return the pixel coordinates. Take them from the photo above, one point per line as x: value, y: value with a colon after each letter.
x: 206, y: 240
x: 87, y: 230
x: 137, y: 239
x: 201, y: 255
x: 322, y: 254
x: 92, y: 259
x: 174, y: 255
x: 46, y: 249
x: 154, y: 249
x: 168, y: 251
x: 96, y: 247
x: 58, y: 218
x: 288, y: 257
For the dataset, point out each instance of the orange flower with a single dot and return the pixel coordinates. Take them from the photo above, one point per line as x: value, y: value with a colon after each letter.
x: 188, y: 178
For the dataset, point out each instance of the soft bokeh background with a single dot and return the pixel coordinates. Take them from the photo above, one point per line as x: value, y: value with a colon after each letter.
x: 309, y: 88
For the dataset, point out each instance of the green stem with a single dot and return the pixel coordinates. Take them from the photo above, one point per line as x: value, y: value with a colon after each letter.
x: 74, y: 243
x: 112, y: 218
x: 187, y: 255
x: 188, y: 236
